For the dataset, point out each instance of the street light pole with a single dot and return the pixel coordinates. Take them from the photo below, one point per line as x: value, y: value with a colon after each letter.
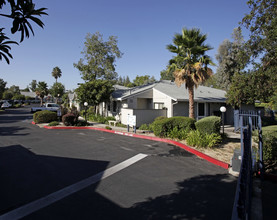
x: 223, y: 110
x: 85, y: 104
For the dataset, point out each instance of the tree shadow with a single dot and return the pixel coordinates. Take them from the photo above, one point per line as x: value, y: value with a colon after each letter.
x: 26, y: 177
x: 201, y: 197
x: 12, y: 131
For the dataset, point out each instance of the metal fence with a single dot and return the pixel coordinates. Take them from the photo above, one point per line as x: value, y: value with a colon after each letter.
x: 242, y: 203
x: 245, y: 119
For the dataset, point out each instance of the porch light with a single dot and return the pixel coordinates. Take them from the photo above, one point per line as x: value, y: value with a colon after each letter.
x: 222, y: 109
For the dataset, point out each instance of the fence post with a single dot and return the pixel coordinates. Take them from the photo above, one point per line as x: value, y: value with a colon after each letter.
x: 261, y: 163
x: 241, y: 134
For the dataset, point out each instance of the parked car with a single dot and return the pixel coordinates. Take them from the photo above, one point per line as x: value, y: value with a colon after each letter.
x: 6, y: 104
x: 48, y: 106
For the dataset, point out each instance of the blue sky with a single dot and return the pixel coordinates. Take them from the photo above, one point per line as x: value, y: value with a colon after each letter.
x: 143, y: 28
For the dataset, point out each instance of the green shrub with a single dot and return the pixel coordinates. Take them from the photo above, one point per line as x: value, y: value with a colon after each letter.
x: 54, y: 123
x: 144, y: 127
x: 198, y: 139
x: 108, y: 128
x: 269, y: 150
x: 163, y: 127
x: 209, y: 125
x: 17, y: 105
x: 82, y: 123
x: 160, y: 118
x: 180, y: 134
x: 44, y: 116
x: 121, y: 125
x: 69, y: 119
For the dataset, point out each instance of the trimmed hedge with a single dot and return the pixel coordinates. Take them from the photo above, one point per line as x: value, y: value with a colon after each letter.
x: 270, y: 150
x: 164, y: 127
x: 209, y: 125
x: 70, y: 119
x: 44, y: 116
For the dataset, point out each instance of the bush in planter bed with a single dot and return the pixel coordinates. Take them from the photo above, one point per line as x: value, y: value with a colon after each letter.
x: 164, y: 127
x: 44, y: 116
x: 209, y: 125
x: 69, y: 119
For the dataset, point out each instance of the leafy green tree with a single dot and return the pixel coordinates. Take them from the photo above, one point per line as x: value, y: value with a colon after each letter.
x: 14, y: 90
x: 57, y: 90
x: 7, y: 95
x: 21, y: 12
x: 143, y: 80
x: 190, y: 65
x: 56, y: 73
x: 99, y: 58
x: 33, y: 85
x: 167, y: 74
x: 18, y: 97
x: 2, y: 87
x: 127, y: 82
x: 241, y: 90
x: 262, y: 23
x: 231, y: 59
x: 261, y: 46
x: 94, y: 92
x: 26, y: 89
x: 42, y: 90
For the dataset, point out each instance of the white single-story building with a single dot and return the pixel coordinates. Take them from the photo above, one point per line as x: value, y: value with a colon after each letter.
x: 165, y: 98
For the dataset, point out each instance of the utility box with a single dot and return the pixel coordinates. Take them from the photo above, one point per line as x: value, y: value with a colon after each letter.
x: 236, y: 160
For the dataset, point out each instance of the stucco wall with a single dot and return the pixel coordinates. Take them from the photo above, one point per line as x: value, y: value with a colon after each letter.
x: 143, y: 116
x: 159, y: 97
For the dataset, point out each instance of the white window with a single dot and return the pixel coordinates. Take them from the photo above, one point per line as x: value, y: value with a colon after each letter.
x: 158, y: 105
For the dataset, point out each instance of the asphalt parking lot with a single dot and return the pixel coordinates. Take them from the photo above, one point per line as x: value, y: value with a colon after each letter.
x: 86, y: 174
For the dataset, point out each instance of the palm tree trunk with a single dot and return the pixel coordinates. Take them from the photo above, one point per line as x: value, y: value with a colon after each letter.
x: 191, y: 101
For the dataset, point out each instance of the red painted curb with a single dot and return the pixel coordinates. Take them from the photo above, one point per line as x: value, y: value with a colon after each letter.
x: 183, y: 146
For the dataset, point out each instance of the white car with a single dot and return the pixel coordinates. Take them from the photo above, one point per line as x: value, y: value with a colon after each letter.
x: 48, y: 106
x: 6, y: 105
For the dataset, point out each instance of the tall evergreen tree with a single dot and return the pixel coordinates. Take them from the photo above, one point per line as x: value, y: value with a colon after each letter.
x: 230, y: 60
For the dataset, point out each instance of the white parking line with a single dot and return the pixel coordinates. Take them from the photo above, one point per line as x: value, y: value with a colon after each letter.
x: 67, y: 191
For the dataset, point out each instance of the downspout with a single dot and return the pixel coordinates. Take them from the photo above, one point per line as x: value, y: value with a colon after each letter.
x: 174, y: 103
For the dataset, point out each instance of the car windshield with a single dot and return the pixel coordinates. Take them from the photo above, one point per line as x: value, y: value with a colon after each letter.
x: 53, y: 105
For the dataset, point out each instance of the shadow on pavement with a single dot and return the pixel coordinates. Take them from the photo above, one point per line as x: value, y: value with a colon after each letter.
x: 26, y: 177
x: 12, y: 131
x: 201, y: 197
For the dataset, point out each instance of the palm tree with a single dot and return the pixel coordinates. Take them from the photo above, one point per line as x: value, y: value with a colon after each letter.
x: 56, y: 73
x: 42, y: 91
x: 189, y: 66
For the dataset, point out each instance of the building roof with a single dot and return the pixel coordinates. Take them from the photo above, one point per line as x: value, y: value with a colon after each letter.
x: 30, y: 94
x: 121, y: 94
x: 201, y: 93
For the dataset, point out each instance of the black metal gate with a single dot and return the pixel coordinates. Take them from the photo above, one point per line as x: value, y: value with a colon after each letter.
x: 242, y: 203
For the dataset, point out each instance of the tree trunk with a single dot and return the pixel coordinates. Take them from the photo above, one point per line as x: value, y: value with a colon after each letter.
x: 191, y: 101
x: 41, y: 101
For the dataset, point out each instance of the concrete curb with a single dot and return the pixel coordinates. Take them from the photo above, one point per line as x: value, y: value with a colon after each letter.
x: 176, y: 143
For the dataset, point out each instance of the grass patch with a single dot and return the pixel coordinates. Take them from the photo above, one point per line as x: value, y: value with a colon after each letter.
x: 272, y: 129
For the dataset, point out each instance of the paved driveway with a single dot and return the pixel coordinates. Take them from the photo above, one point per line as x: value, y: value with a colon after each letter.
x: 86, y: 174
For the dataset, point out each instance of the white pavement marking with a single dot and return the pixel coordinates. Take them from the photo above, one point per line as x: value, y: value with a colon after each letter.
x: 67, y: 191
